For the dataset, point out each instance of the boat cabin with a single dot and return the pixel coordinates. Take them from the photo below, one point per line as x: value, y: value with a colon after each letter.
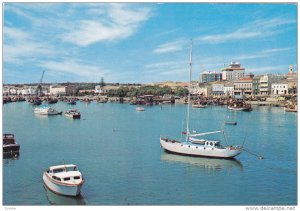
x: 66, y: 173
x: 8, y: 139
x: 209, y: 143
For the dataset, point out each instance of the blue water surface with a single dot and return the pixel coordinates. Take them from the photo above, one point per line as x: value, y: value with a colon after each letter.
x: 118, y: 152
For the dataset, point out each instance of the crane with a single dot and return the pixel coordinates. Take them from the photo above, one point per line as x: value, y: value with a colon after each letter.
x: 38, y: 90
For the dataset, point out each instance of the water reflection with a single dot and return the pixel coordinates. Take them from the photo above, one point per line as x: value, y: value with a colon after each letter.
x: 11, y: 156
x: 206, y: 163
x: 55, y: 199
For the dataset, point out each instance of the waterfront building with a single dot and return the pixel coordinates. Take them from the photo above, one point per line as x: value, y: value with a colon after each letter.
x: 233, y: 72
x: 292, y: 80
x: 208, y: 76
x: 243, y: 86
x: 71, y: 90
x: 229, y: 89
x: 217, y: 89
x: 57, y: 90
x: 256, y: 85
x: 280, y: 88
x: 205, y: 91
x: 266, y: 81
x: 106, y: 89
x: 98, y: 89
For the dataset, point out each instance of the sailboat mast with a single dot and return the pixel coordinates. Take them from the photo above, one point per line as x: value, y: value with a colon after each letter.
x: 189, y: 95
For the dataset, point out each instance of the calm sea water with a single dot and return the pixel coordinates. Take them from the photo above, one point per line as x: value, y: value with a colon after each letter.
x: 118, y: 152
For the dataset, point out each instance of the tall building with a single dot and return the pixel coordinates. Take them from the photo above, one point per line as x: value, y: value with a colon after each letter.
x: 208, y: 76
x: 233, y: 72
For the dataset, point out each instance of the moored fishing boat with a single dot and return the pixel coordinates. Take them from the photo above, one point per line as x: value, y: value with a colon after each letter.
x: 73, y: 113
x: 9, y: 144
x: 236, y: 107
x: 63, y: 179
x: 292, y: 108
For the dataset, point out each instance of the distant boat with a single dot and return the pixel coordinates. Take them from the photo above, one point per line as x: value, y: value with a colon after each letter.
x: 63, y: 179
x: 46, y: 111
x: 140, y: 109
x: 290, y: 109
x: 240, y: 108
x: 52, y: 101
x: 231, y: 123
x: 198, y: 106
x: 201, y: 147
x: 9, y: 144
x: 71, y: 102
x: 73, y: 113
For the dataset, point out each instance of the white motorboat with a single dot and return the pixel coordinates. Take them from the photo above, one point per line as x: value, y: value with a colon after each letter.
x: 46, y: 111
x: 194, y: 146
x: 140, y: 109
x: 63, y: 179
x: 73, y: 113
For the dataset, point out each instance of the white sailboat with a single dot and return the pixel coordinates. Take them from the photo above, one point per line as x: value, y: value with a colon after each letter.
x: 194, y: 145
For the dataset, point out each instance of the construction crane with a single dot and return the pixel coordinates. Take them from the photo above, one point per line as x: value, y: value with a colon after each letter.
x: 38, y: 90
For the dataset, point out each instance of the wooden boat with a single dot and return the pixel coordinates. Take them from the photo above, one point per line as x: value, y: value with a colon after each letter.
x: 287, y: 109
x: 9, y: 144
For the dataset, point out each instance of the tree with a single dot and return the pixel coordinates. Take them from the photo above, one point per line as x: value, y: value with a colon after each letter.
x: 102, y: 83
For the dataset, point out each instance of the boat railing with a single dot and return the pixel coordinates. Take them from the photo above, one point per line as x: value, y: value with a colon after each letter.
x: 172, y: 139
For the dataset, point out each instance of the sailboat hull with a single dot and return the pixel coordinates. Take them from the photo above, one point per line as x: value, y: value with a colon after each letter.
x: 190, y: 149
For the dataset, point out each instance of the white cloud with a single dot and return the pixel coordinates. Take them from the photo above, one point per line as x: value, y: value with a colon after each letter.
x: 20, y: 45
x: 170, y: 47
x: 269, y: 69
x: 262, y: 54
x: 69, y: 66
x: 257, y: 29
x: 118, y: 22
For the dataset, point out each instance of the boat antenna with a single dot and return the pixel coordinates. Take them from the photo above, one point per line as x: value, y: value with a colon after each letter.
x: 189, y: 95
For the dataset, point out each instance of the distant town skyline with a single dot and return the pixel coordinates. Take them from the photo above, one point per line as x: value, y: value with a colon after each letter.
x: 144, y: 42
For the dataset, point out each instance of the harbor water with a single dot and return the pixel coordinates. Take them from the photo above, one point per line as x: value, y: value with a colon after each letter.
x: 118, y: 152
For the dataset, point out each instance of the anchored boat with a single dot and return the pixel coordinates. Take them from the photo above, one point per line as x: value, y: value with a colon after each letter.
x: 195, y: 146
x: 73, y: 113
x: 10, y: 146
x: 46, y: 111
x: 63, y: 179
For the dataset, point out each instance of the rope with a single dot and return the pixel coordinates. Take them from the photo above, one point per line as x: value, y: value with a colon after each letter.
x: 259, y: 156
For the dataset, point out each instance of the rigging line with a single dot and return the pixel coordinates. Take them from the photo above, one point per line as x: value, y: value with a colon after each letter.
x: 244, y: 138
x: 259, y: 156
x: 225, y: 138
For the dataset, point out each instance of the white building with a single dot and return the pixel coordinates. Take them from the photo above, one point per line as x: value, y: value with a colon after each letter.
x: 233, y: 72
x: 229, y: 90
x: 280, y: 88
x: 204, y: 91
x: 57, y: 90
x: 217, y: 89
x: 266, y: 81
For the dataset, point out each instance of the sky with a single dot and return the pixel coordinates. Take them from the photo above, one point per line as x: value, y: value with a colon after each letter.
x: 144, y: 42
